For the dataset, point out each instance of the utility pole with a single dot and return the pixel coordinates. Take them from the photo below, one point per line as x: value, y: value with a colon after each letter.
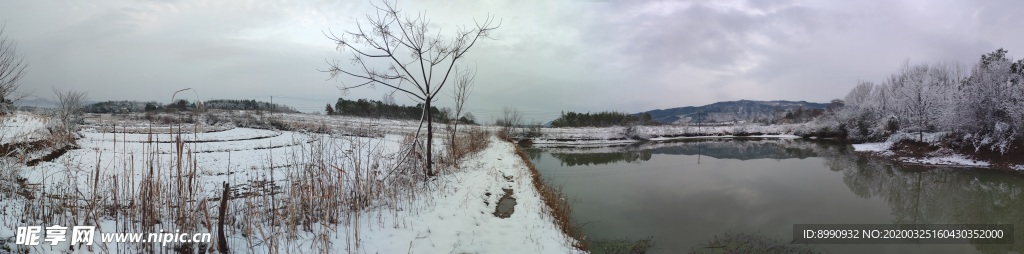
x: 698, y: 122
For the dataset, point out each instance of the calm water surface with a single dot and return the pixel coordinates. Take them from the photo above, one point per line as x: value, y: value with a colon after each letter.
x: 684, y: 194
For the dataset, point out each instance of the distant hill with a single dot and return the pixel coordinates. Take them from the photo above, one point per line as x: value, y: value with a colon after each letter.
x: 730, y: 111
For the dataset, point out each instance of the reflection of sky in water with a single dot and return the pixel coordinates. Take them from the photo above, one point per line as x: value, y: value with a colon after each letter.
x: 682, y: 203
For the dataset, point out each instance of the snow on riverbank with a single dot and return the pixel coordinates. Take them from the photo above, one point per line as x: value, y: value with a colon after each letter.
x: 872, y: 147
x: 948, y: 160
x: 943, y: 156
x: 610, y: 136
x: 932, y: 139
x: 459, y: 217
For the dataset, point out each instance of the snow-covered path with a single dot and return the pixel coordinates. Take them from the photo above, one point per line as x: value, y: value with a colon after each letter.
x: 458, y: 216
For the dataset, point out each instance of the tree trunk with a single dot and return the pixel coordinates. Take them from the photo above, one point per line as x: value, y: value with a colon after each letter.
x: 455, y: 131
x: 430, y: 139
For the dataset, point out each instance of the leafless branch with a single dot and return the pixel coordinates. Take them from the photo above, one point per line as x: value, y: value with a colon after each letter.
x: 69, y: 110
x: 407, y: 43
x: 12, y: 68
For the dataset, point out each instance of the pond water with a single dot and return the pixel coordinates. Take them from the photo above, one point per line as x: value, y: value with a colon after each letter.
x: 684, y: 194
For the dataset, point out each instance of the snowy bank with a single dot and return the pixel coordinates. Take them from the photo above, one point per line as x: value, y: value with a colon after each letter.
x: 943, y: 156
x: 872, y: 147
x: 459, y: 216
x: 946, y: 160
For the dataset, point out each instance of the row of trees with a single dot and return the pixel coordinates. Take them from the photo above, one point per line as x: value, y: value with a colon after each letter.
x: 381, y: 109
x: 112, y: 107
x: 601, y: 119
x: 115, y: 107
x: 980, y: 103
x: 248, y: 105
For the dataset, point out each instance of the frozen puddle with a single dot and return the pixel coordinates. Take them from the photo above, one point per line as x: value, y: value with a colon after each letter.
x: 506, y: 205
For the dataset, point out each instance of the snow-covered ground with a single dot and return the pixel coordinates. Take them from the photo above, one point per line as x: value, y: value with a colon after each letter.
x: 872, y: 147
x: 460, y: 219
x: 451, y: 213
x: 22, y: 127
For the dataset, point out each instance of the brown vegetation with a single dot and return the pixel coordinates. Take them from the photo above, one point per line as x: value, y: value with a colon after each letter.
x: 556, y: 202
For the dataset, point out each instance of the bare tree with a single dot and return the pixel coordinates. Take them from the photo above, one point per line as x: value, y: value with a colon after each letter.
x: 411, y: 52
x: 463, y: 88
x: 68, y: 112
x: 12, y: 69
x: 511, y: 119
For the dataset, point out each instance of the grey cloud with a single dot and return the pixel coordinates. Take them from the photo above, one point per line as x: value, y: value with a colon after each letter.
x: 697, y: 35
x: 547, y: 57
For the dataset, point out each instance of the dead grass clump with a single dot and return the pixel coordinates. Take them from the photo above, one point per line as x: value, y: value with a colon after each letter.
x: 557, y: 204
x: 160, y: 193
x: 213, y: 119
x: 476, y: 141
x: 464, y: 144
x: 279, y: 124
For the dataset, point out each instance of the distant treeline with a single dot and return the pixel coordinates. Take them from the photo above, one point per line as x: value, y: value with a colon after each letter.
x: 110, y: 107
x: 601, y: 119
x: 373, y: 108
x: 798, y: 115
x: 114, y: 107
x: 248, y: 105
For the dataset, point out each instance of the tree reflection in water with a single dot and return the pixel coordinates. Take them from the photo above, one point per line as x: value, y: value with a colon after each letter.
x: 936, y: 195
x: 914, y: 194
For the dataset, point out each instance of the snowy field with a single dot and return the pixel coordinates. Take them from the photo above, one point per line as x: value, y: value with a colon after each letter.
x: 22, y: 127
x: 339, y: 192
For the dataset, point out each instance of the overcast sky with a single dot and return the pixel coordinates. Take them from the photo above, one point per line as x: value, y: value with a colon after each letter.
x: 547, y: 56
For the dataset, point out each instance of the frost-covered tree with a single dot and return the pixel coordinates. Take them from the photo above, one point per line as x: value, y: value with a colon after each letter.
x: 858, y: 113
x: 982, y: 104
x: 1013, y: 103
x: 921, y: 88
x: 984, y: 90
x: 860, y: 95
